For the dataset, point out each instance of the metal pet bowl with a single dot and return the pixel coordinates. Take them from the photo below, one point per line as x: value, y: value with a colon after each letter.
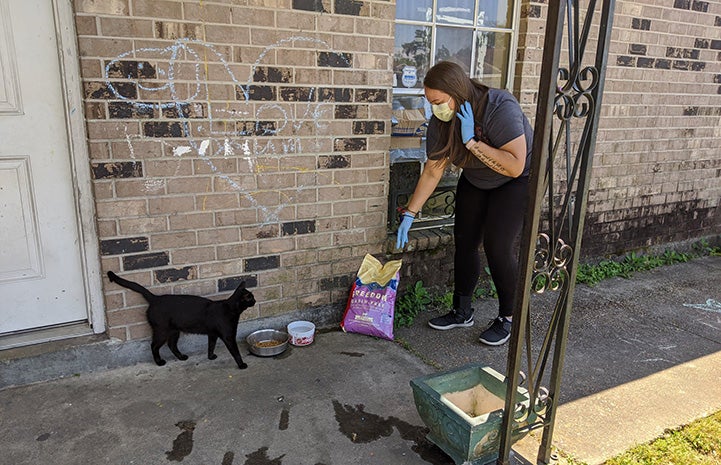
x: 267, y: 342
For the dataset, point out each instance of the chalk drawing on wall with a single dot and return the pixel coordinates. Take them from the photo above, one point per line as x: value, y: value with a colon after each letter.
x: 190, y: 59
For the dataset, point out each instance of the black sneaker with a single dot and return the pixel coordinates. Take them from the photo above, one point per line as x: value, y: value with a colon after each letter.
x: 451, y: 320
x: 497, y: 333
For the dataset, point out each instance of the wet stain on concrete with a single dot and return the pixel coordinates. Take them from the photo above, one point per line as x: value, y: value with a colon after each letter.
x: 43, y: 437
x: 228, y: 458
x: 360, y: 426
x: 183, y: 444
x: 364, y: 427
x: 260, y: 457
x: 284, y: 417
x: 353, y: 354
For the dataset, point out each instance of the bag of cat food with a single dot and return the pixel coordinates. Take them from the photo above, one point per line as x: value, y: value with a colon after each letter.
x: 372, y: 299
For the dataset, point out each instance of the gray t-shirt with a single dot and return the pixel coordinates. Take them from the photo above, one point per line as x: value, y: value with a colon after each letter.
x: 503, y: 121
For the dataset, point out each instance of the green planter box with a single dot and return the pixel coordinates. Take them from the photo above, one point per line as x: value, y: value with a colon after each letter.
x: 463, y: 408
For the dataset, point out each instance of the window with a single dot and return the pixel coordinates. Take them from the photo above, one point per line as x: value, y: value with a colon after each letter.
x: 479, y: 35
x: 476, y: 34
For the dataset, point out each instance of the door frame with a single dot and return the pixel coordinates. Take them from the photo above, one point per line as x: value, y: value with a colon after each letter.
x: 71, y: 82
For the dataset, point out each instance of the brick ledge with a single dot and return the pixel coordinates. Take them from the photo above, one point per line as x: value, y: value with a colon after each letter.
x: 422, y: 239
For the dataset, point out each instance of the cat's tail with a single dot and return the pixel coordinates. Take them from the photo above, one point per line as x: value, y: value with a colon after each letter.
x: 149, y: 296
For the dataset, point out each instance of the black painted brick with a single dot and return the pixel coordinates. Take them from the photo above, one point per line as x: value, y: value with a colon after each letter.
x: 255, y: 128
x: 310, y: 5
x: 531, y: 11
x: 95, y: 90
x: 349, y: 144
x: 698, y: 65
x: 338, y: 282
x: 262, y: 93
x: 169, y: 275
x: 118, y: 169
x: 715, y: 45
x: 232, y: 283
x: 700, y: 6
x: 348, y: 7
x: 335, y: 60
x: 625, y: 61
x: 681, y: 65
x: 686, y: 53
x: 297, y: 94
x: 163, y: 129
x: 663, y: 64
x: 371, y: 95
x: 119, y: 110
x: 186, y: 110
x: 333, y: 161
x: 717, y: 21
x: 346, y: 112
x: 637, y: 49
x: 682, y: 4
x: 717, y: 78
x: 335, y: 95
x: 690, y: 111
x: 261, y: 263
x: 298, y: 227
x: 121, y: 246
x: 272, y: 74
x: 644, y: 62
x: 702, y: 43
x: 150, y: 260
x: 642, y: 24
x: 369, y: 127
x: 130, y: 69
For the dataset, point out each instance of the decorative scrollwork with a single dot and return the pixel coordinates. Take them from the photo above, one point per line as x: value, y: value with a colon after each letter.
x: 549, y: 267
x: 574, y: 97
x: 542, y: 402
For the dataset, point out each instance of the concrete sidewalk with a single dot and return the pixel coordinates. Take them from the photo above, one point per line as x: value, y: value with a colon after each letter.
x: 643, y: 355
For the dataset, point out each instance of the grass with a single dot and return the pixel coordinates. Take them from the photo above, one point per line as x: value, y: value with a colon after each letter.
x: 698, y: 443
x: 417, y: 298
x: 624, y: 267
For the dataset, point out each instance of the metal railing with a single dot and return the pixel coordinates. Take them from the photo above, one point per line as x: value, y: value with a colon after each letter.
x: 553, y: 229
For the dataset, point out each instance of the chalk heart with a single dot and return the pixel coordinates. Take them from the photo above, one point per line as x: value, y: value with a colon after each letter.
x: 183, y: 53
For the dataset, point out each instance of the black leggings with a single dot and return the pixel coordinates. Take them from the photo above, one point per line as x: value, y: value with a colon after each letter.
x: 495, y: 218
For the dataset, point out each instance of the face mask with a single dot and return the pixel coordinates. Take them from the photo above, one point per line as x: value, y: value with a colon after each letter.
x: 443, y: 111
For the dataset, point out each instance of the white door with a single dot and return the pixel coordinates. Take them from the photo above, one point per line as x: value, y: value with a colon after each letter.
x: 42, y: 282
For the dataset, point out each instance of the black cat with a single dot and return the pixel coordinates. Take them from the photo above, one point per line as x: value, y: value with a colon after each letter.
x: 168, y: 315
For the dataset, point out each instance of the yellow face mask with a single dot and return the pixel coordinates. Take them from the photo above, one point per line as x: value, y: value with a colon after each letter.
x: 443, y: 111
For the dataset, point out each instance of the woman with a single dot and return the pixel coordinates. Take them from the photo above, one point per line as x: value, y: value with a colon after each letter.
x: 483, y: 131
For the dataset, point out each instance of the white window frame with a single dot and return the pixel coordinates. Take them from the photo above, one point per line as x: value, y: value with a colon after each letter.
x: 512, y: 49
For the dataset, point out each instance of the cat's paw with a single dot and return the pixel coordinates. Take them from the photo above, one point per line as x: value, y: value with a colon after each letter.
x: 243, y: 366
x: 212, y: 357
x: 160, y: 362
x: 183, y: 357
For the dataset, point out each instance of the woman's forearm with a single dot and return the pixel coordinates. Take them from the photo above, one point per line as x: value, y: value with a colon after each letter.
x: 427, y: 183
x: 509, y: 160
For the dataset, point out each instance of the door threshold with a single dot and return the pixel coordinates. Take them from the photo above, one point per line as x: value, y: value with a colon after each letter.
x: 44, y: 335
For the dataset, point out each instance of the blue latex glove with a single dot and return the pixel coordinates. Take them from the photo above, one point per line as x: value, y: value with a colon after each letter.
x: 406, y: 223
x: 468, y: 126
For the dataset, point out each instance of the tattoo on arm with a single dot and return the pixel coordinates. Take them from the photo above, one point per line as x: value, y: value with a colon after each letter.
x: 490, y: 162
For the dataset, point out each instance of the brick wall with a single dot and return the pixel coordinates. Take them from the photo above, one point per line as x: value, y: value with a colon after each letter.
x: 657, y: 173
x: 657, y: 164
x: 236, y: 142
x: 249, y: 141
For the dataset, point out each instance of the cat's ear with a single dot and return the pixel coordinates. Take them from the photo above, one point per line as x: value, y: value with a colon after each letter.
x: 239, y: 289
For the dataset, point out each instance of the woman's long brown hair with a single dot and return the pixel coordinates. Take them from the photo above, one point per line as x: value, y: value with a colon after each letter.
x: 452, y: 79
